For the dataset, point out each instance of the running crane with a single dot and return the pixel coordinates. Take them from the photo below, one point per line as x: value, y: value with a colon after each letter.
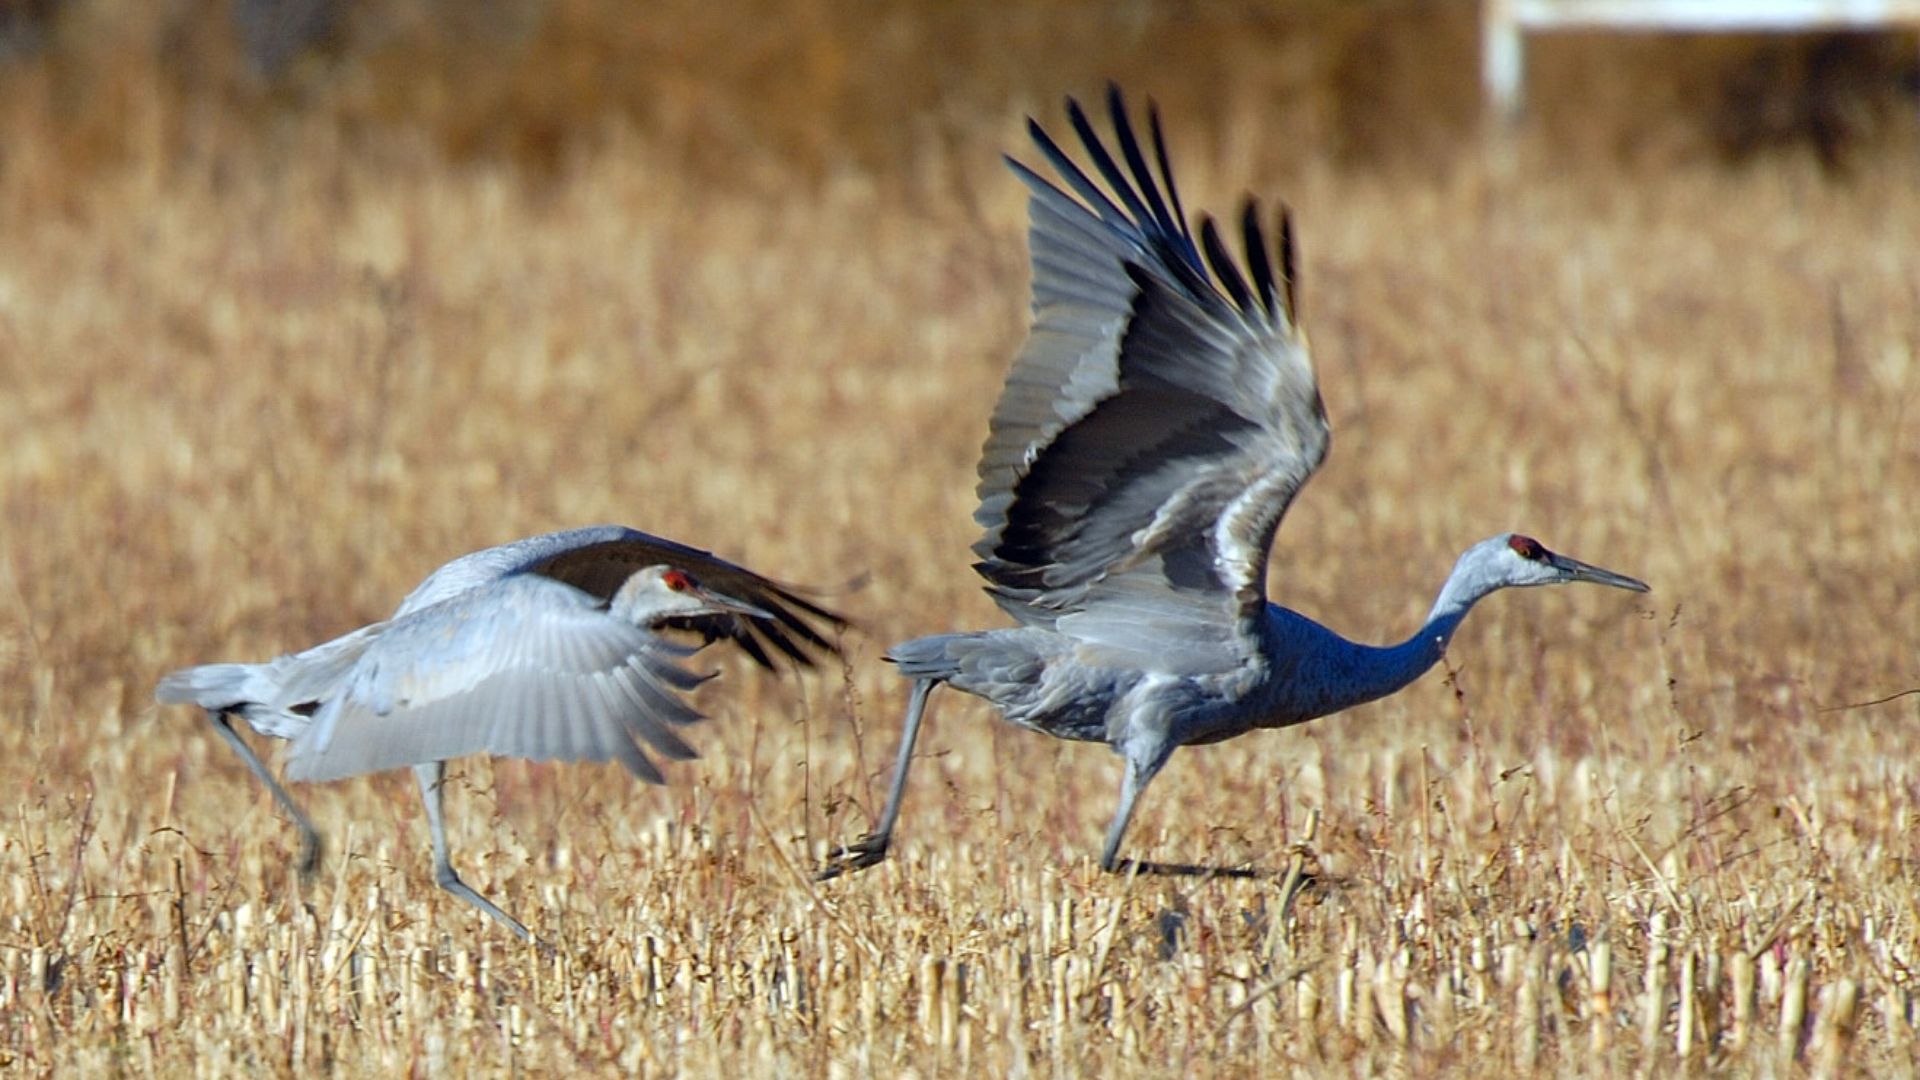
x: 1154, y: 428
x: 557, y: 647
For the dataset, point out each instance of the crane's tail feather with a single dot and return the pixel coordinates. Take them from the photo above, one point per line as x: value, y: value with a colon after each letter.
x: 211, y: 686
x: 251, y: 691
x: 277, y: 697
x: 927, y: 657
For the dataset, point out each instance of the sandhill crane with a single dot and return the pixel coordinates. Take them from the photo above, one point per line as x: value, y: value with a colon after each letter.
x: 1154, y: 428
x: 553, y: 647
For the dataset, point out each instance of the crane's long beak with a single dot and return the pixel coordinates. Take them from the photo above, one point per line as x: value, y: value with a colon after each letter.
x: 1575, y: 570
x: 724, y: 603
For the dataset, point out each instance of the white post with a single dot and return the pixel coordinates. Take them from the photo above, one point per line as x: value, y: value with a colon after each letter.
x: 1502, y: 63
x: 1505, y: 23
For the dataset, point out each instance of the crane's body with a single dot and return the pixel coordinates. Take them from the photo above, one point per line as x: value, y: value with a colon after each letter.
x: 557, y: 647
x: 1155, y: 427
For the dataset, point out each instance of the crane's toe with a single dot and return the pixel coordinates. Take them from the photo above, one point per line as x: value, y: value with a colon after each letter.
x: 862, y: 853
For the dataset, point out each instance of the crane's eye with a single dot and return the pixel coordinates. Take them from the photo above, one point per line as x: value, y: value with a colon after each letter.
x: 677, y: 580
x: 1527, y: 548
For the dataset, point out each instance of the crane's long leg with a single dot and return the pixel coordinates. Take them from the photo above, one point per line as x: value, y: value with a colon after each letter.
x: 1142, y: 767
x: 872, y: 848
x: 309, y: 836
x: 430, y: 776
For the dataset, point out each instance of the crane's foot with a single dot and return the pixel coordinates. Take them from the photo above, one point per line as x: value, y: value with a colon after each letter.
x: 310, y: 851
x: 1161, y: 869
x: 862, y: 853
x: 447, y: 879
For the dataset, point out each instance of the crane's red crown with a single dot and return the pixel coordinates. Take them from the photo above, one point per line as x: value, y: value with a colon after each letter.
x: 1527, y: 547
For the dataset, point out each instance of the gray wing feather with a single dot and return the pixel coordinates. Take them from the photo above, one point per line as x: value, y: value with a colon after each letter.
x: 1081, y: 301
x: 1159, y: 419
x: 525, y: 667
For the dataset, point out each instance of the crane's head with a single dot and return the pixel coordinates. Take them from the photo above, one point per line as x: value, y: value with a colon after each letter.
x: 1511, y: 559
x: 658, y: 594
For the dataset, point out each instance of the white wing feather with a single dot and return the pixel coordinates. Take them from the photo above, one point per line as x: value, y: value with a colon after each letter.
x: 525, y: 666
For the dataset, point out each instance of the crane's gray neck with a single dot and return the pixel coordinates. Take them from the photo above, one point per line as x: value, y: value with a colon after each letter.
x: 1317, y: 672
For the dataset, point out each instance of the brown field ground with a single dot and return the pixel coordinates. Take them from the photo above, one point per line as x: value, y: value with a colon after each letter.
x: 750, y: 277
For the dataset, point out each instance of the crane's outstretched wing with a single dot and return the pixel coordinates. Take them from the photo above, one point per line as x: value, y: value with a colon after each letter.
x: 524, y: 666
x: 1163, y: 411
x: 599, y: 559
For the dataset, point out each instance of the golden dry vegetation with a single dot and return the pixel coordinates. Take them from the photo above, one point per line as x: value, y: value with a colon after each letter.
x: 273, y: 350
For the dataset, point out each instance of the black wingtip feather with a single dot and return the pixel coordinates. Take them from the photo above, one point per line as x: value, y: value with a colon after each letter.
x: 1257, y: 263
x: 785, y: 626
x: 804, y: 629
x: 1224, y: 268
x: 1137, y: 165
x: 1075, y: 178
x: 1166, y: 180
x: 1289, y: 278
x: 1103, y: 161
x: 783, y: 630
x: 749, y: 645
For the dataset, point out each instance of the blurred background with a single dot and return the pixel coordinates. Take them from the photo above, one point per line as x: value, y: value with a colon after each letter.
x: 756, y: 92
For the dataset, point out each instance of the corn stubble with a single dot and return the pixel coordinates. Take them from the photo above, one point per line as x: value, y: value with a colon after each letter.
x: 247, y: 406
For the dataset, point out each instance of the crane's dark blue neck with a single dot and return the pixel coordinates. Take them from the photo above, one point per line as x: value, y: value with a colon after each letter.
x: 1316, y: 672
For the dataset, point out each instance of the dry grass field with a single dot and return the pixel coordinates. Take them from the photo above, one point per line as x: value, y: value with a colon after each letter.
x: 269, y: 352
